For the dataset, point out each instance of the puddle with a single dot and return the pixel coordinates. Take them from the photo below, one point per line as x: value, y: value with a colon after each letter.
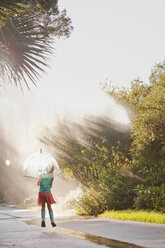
x: 93, y: 238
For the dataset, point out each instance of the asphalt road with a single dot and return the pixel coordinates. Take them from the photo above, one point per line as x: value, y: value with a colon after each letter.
x: 15, y: 232
x: 21, y: 228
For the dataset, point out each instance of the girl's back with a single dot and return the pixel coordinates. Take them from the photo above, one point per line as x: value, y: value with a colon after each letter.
x: 46, y: 180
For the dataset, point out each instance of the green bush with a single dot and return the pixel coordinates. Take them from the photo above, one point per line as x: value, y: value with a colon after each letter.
x: 90, y: 202
x: 121, y: 195
x: 149, y: 197
x: 117, y: 190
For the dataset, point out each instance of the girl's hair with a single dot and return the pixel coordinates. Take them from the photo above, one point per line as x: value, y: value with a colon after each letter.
x: 50, y: 171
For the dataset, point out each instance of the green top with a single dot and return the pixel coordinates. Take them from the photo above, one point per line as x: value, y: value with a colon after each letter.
x: 46, y: 180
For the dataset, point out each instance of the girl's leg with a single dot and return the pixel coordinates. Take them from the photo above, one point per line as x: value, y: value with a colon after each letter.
x: 43, y: 215
x: 51, y: 215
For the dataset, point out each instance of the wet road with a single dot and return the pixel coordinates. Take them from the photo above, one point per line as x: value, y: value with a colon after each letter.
x: 144, y: 234
x: 15, y: 232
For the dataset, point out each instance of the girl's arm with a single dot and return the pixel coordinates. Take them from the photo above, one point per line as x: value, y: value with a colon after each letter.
x: 51, y: 183
x: 39, y: 181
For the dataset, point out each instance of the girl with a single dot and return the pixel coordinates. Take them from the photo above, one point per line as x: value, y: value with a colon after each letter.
x: 45, y: 196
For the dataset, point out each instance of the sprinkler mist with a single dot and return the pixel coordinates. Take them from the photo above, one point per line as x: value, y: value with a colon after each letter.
x: 36, y: 114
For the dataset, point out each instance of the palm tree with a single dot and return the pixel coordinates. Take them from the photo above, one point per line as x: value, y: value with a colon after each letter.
x: 27, y: 31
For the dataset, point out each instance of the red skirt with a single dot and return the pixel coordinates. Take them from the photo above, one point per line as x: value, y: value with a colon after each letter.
x: 45, y: 198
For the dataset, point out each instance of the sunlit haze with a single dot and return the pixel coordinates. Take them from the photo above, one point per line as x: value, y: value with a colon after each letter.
x: 112, y: 40
x: 116, y: 41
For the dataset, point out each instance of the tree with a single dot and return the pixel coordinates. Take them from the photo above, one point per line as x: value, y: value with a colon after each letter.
x: 146, y: 107
x: 84, y: 149
x: 156, y: 72
x: 97, y: 155
x: 129, y: 97
x: 148, y: 131
x: 27, y: 31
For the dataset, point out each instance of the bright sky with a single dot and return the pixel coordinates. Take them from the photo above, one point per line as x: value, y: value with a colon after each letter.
x: 114, y: 39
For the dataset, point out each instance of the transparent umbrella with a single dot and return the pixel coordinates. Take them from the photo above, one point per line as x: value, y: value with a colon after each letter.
x: 39, y: 163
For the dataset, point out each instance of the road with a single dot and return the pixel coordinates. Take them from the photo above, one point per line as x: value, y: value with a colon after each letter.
x: 21, y: 228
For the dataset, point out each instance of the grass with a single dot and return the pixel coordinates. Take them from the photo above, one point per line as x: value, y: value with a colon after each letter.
x: 27, y: 207
x: 136, y: 215
x: 3, y: 204
x: 21, y: 206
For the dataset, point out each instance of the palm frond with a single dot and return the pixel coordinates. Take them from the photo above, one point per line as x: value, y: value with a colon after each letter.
x: 27, y: 30
x: 8, y: 8
x: 23, y: 49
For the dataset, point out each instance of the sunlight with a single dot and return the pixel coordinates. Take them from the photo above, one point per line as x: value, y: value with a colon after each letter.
x: 76, y: 104
x: 7, y: 162
x: 121, y: 115
x: 97, y: 103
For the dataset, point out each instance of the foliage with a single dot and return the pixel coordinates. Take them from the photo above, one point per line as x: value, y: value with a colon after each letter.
x: 146, y: 106
x: 148, y: 131
x: 149, y: 197
x: 26, y: 37
x: 117, y: 187
x: 85, y: 149
x: 111, y: 162
x: 134, y: 215
x: 150, y: 174
x: 114, y: 191
x: 90, y: 203
x: 156, y: 72
x: 97, y: 155
x: 131, y: 98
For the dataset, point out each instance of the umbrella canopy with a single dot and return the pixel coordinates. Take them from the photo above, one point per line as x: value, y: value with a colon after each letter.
x: 39, y: 163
